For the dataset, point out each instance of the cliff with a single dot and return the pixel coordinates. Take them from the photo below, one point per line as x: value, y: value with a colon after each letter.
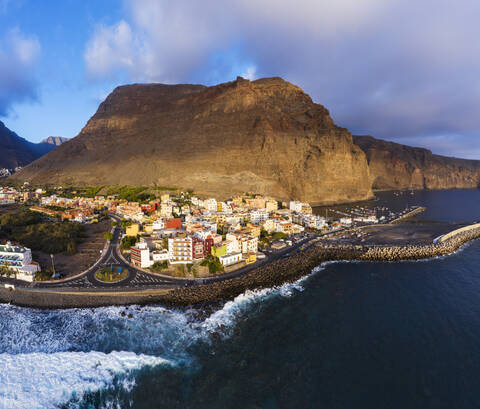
x: 265, y: 136
x: 396, y: 166
x: 54, y: 140
x: 16, y: 151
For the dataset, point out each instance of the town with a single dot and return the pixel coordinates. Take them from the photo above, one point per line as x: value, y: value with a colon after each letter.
x: 176, y: 234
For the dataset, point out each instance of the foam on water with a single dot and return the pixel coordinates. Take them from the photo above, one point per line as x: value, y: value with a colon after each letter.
x: 41, y: 380
x: 49, y: 357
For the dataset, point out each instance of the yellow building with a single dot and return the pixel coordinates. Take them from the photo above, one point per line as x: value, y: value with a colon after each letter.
x: 253, y: 230
x: 252, y: 258
x: 271, y: 205
x: 133, y: 230
x: 218, y: 251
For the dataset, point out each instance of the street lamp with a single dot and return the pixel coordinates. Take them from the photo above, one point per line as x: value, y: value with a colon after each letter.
x: 53, y: 266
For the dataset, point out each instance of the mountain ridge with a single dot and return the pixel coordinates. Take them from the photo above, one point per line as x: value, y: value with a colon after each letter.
x: 396, y: 166
x: 265, y: 136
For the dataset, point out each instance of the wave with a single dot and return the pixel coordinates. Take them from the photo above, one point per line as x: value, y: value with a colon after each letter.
x: 49, y: 357
x: 41, y: 380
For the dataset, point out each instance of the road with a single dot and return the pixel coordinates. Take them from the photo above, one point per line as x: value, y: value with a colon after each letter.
x: 138, y: 279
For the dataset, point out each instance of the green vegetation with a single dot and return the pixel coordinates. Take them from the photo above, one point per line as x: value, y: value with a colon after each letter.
x: 164, y: 188
x: 43, y: 275
x: 131, y: 193
x: 279, y: 236
x: 56, y: 208
x: 213, y: 263
x: 30, y: 229
x: 108, y: 275
x: 108, y: 236
x: 159, y: 267
x: 127, y: 242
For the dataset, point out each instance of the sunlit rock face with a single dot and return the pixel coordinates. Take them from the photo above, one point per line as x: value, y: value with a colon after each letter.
x: 265, y: 136
x: 395, y: 166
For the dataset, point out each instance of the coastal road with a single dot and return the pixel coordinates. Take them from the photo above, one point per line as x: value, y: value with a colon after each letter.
x: 138, y: 279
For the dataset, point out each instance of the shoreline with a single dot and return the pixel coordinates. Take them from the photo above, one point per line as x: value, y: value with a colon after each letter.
x: 279, y: 272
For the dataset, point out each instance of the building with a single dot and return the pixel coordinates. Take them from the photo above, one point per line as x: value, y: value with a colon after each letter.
x: 19, y: 260
x: 180, y: 250
x: 230, y: 259
x: 140, y: 255
x: 271, y: 205
x: 198, y: 249
x: 173, y: 224
x: 133, y: 230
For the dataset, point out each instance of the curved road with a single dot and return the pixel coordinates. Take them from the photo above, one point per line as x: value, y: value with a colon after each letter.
x: 139, y: 279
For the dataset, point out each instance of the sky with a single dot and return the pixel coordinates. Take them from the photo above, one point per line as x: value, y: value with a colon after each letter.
x: 402, y: 70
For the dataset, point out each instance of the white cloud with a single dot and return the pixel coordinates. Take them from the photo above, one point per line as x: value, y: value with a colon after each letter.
x: 397, y: 68
x: 111, y: 48
x: 18, y: 56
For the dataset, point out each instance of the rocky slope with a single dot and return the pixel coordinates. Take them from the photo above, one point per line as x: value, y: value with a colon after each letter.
x: 16, y: 151
x: 54, y: 140
x: 265, y: 136
x: 396, y: 166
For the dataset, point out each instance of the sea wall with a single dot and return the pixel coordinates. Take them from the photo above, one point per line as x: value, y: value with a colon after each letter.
x: 274, y: 274
x: 453, y: 233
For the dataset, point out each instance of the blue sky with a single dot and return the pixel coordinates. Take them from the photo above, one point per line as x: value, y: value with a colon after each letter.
x: 400, y: 70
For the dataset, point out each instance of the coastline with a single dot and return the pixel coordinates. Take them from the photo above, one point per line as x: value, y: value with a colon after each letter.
x: 279, y: 272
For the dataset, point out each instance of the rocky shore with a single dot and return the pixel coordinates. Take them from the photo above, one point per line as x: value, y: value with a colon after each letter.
x: 301, y: 264
x: 274, y: 274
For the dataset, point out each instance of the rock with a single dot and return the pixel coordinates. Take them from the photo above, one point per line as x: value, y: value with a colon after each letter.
x: 395, y: 166
x: 265, y: 136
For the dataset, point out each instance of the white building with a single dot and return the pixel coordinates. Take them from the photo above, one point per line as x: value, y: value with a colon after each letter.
x: 140, y: 255
x: 19, y: 260
x: 258, y: 215
x: 210, y: 204
x: 158, y: 225
x: 230, y: 259
x: 160, y: 255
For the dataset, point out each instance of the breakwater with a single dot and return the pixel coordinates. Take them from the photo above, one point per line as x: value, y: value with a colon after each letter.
x: 300, y: 264
x: 273, y: 274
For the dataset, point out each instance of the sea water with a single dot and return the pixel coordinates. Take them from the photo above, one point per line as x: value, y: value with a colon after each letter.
x: 349, y: 335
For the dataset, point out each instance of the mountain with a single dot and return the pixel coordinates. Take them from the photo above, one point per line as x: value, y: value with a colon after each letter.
x: 265, y: 136
x: 54, y: 140
x: 16, y: 151
x: 396, y: 166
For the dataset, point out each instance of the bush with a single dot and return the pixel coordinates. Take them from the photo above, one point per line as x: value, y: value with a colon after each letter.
x: 29, y: 229
x: 127, y: 242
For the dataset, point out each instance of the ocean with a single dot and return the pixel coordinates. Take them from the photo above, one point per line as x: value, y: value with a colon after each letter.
x: 349, y: 335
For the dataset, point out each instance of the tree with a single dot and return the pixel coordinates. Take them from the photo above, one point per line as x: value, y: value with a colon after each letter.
x: 108, y: 236
x: 71, y: 248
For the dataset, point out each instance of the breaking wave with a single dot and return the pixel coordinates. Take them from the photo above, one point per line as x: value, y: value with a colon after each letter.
x: 51, y: 357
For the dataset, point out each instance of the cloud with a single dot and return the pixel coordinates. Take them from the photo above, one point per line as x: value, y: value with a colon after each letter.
x: 398, y: 69
x: 18, y: 56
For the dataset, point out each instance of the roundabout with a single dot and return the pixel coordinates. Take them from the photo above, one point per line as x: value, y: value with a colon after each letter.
x: 112, y: 274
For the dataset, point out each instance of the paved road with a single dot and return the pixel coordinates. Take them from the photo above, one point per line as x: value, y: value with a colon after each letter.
x: 138, y: 279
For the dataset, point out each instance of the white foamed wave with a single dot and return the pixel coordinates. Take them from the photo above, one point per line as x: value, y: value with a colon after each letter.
x: 41, y: 380
x: 49, y: 357
x: 223, y: 320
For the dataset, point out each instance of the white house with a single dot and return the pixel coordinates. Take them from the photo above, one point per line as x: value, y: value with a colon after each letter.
x: 19, y: 260
x: 230, y: 259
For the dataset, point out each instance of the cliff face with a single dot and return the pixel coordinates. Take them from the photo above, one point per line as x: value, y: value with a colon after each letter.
x: 265, y: 136
x: 54, y: 140
x: 395, y: 166
x: 16, y: 151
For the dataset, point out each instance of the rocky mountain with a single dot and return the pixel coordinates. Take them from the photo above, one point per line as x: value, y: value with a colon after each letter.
x: 16, y: 151
x: 396, y: 166
x: 54, y: 140
x: 265, y: 136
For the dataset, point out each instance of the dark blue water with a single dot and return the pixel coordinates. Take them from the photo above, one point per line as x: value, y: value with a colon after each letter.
x: 352, y: 335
